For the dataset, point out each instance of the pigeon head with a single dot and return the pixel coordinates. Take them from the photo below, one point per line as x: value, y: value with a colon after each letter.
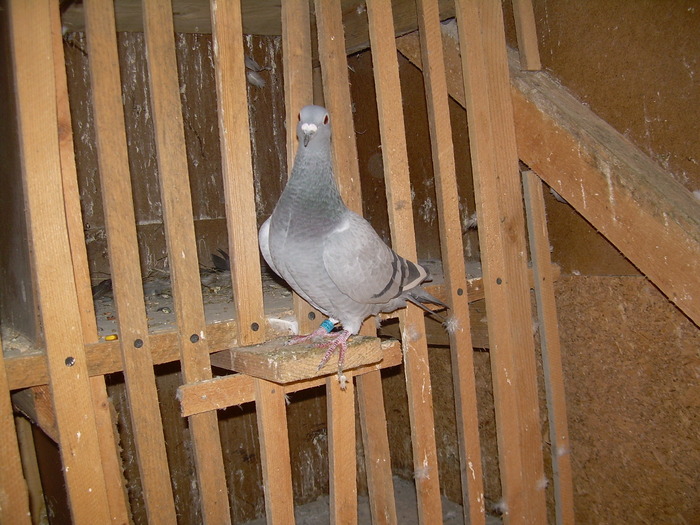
x: 314, y: 123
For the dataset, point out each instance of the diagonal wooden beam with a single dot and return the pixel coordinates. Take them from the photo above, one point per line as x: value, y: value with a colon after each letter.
x: 639, y: 207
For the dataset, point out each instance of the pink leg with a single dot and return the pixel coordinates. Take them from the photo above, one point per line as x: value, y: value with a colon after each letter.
x: 339, y: 342
x: 319, y: 333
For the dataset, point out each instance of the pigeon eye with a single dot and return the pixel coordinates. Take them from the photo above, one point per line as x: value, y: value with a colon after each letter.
x: 325, y: 119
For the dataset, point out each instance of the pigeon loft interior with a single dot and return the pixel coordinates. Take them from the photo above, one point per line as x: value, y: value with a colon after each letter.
x: 539, y: 158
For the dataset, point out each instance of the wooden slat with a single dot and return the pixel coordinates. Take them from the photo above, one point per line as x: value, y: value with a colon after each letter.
x: 182, y: 250
x: 394, y: 155
x: 551, y: 348
x: 336, y: 91
x: 331, y: 46
x: 69, y: 178
x: 298, y: 92
x: 106, y: 426
x: 14, y: 496
x: 340, y: 401
x: 30, y: 468
x: 239, y: 192
x: 609, y: 181
x: 280, y: 362
x: 122, y: 242
x: 68, y: 377
x: 504, y: 258
x: 222, y: 392
x: 527, y: 35
x: 274, y: 451
x: 104, y: 357
x: 454, y: 267
x: 245, y: 270
x: 637, y: 205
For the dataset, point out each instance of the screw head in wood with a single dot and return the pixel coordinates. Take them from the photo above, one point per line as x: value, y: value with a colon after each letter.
x: 460, y: 291
x: 194, y: 338
x: 70, y: 360
x: 255, y: 327
x: 312, y: 316
x: 499, y: 281
x: 138, y: 343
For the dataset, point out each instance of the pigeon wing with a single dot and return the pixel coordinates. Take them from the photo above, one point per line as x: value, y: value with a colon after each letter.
x: 264, y: 242
x: 363, y: 267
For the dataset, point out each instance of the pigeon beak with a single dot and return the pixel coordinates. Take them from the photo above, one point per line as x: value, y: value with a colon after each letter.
x: 307, y: 138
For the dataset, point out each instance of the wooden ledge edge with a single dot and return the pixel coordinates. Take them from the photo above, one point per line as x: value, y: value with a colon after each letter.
x: 223, y: 392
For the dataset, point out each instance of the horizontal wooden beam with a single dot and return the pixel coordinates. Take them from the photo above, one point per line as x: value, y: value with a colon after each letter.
x: 26, y: 364
x: 260, y: 17
x: 236, y: 389
x: 639, y: 207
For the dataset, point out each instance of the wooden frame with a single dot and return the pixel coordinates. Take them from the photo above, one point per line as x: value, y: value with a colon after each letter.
x: 75, y: 362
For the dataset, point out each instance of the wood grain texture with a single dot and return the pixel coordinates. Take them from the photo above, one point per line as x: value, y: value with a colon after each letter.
x: 336, y: 91
x: 182, y: 250
x: 638, y: 206
x: 527, y: 35
x: 504, y: 258
x: 391, y: 124
x: 14, y: 494
x: 274, y: 451
x: 32, y: 50
x: 609, y: 181
x: 551, y: 348
x: 342, y: 459
x: 122, y: 241
x: 222, y: 392
x: 280, y: 362
x: 28, y: 368
x: 298, y: 92
x: 453, y: 263
x: 239, y: 191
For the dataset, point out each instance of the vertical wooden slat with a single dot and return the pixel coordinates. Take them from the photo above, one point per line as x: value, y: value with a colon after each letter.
x: 32, y: 50
x: 274, y: 450
x: 245, y: 270
x: 298, y: 92
x: 122, y: 241
x: 369, y: 386
x: 504, y: 258
x: 551, y: 349
x: 336, y: 91
x: 30, y: 467
x: 239, y: 191
x: 341, y: 450
x: 526, y: 32
x: 394, y: 155
x: 14, y: 496
x: 454, y: 267
x: 106, y: 427
x: 182, y: 250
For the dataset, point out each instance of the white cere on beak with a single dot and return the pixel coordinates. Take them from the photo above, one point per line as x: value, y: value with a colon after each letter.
x: 309, y: 130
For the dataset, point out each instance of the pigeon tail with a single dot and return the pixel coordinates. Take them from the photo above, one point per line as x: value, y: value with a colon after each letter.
x: 420, y: 298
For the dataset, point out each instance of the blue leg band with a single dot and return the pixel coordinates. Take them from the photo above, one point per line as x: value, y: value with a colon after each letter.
x: 327, y: 325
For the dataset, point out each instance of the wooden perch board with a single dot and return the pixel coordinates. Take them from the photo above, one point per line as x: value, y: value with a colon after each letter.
x: 651, y: 218
x: 279, y: 362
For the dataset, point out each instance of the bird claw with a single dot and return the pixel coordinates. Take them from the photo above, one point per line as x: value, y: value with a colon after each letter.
x: 313, y: 336
x: 340, y: 342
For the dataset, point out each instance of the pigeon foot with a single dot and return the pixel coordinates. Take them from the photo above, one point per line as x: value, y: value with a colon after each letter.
x: 319, y: 333
x: 340, y: 343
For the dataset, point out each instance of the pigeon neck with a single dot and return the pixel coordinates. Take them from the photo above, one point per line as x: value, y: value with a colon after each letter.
x: 313, y: 177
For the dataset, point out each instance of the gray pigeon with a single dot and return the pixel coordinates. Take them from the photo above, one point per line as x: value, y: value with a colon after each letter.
x: 328, y: 254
